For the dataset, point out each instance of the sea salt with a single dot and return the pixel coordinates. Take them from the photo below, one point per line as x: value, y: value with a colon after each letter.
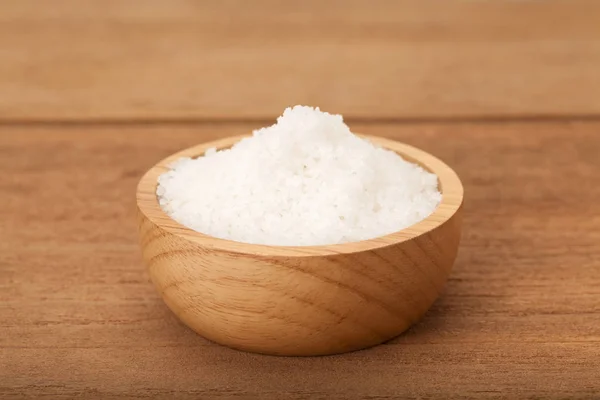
x: 306, y: 180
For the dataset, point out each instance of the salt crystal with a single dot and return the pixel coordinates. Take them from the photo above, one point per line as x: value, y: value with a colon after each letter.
x: 306, y: 180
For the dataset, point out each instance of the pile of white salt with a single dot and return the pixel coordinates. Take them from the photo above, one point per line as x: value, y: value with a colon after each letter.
x: 307, y: 180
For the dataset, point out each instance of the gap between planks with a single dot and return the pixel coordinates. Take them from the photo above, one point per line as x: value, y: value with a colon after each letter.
x: 267, y: 121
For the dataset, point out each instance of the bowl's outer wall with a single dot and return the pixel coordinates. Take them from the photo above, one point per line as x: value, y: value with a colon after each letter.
x: 305, y: 305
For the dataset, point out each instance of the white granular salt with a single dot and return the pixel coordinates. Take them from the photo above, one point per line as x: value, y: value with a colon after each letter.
x: 307, y: 180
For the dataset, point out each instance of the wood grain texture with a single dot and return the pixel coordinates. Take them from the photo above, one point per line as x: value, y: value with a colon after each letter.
x: 182, y: 59
x: 301, y: 301
x: 520, y: 316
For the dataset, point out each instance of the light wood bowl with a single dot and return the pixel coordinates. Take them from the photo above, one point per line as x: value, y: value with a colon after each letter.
x: 311, y: 300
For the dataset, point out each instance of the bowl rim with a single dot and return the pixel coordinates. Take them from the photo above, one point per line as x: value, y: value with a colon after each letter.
x: 450, y: 187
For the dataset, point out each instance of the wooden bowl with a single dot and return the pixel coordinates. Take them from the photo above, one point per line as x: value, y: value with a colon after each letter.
x: 311, y: 300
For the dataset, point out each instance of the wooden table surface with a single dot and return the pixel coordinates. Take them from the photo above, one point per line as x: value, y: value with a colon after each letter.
x: 94, y: 93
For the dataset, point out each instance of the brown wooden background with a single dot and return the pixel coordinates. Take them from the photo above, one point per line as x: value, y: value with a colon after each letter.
x: 92, y: 93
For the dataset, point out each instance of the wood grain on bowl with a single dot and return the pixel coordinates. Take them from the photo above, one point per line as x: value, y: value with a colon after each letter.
x: 311, y: 300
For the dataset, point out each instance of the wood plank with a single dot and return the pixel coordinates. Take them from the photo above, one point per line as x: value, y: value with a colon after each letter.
x: 156, y: 60
x: 520, y: 316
